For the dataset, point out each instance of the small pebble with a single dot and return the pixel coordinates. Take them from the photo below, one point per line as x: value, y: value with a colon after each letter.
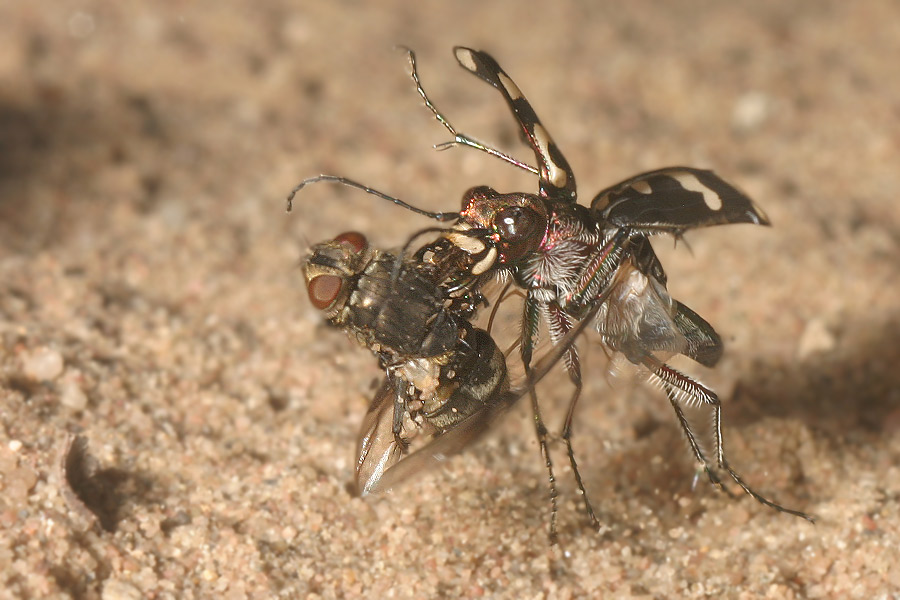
x: 815, y: 339
x: 115, y: 589
x: 71, y: 394
x: 18, y: 484
x: 43, y: 364
x: 750, y: 111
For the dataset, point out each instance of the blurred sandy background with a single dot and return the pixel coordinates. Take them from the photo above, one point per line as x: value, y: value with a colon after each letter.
x: 150, y: 300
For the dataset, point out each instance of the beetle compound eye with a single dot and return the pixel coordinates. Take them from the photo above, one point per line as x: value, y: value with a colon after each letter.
x: 323, y: 290
x: 519, y: 229
x: 513, y: 223
x: 354, y: 239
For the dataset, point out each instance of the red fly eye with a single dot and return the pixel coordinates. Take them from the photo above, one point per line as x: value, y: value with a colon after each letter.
x: 354, y: 239
x: 323, y: 290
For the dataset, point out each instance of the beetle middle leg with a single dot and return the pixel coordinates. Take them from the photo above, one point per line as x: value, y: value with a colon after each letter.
x: 559, y: 326
x: 530, y: 319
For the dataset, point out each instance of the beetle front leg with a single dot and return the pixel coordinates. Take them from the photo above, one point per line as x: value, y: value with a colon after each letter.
x: 530, y: 323
x: 458, y: 138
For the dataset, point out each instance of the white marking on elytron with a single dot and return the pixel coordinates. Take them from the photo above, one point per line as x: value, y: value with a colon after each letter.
x: 641, y: 187
x: 485, y: 263
x: 511, y: 88
x: 467, y: 243
x: 690, y: 182
x: 464, y: 56
x: 556, y: 175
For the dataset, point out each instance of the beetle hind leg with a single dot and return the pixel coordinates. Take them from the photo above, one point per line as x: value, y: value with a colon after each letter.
x: 682, y: 389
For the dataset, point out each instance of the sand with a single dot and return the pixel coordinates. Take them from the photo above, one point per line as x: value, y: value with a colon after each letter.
x: 178, y: 423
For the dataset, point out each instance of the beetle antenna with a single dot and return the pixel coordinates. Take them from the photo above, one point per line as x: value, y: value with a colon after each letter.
x: 438, y: 216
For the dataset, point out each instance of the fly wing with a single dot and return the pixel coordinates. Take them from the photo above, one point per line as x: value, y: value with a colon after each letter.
x: 675, y: 199
x: 381, y: 464
x: 439, y: 449
x: 378, y: 449
x: 472, y: 391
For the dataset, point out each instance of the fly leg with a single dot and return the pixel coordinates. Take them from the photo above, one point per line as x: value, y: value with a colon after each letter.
x: 400, y: 403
